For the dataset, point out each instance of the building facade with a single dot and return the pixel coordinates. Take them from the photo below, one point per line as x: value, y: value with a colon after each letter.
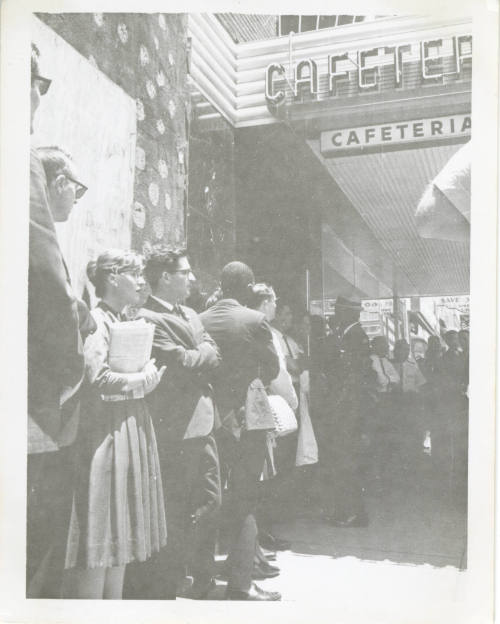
x: 304, y: 154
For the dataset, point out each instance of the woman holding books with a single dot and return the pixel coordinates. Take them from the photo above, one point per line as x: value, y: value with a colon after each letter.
x: 118, y: 509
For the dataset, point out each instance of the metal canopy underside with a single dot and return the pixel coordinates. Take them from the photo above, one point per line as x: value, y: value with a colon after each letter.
x: 385, y: 189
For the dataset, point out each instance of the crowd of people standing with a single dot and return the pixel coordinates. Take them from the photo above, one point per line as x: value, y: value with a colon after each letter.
x: 134, y: 479
x: 377, y: 412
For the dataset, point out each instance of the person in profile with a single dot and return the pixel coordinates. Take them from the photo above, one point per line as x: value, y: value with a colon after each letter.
x: 55, y: 373
x: 118, y: 513
x: 185, y: 419
x: 408, y: 422
x: 349, y: 373
x: 63, y: 188
x: 246, y: 345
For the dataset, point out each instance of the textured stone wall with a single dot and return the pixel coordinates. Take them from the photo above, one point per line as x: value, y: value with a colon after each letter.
x: 211, y: 217
x: 146, y: 55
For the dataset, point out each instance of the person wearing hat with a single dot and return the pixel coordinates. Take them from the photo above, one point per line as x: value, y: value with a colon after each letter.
x: 349, y: 371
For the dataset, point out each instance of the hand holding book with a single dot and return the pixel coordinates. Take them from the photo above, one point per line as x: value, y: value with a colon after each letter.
x: 152, y: 376
x: 129, y: 353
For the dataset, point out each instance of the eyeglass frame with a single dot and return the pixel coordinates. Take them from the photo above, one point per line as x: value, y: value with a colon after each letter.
x: 138, y: 273
x: 186, y: 272
x: 46, y: 82
x: 81, y: 188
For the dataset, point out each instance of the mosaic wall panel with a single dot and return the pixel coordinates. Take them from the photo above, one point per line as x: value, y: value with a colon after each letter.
x: 144, y: 54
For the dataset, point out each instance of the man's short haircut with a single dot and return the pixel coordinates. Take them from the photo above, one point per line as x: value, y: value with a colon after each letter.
x: 162, y: 258
x: 235, y: 280
x: 35, y: 55
x: 55, y: 161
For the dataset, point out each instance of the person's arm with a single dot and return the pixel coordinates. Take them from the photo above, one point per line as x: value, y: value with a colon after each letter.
x: 266, y: 353
x: 167, y: 350
x: 85, y: 319
x: 282, y: 384
x: 97, y: 369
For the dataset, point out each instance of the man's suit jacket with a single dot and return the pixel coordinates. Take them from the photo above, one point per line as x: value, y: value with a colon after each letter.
x: 182, y: 406
x: 246, y: 344
x: 55, y: 352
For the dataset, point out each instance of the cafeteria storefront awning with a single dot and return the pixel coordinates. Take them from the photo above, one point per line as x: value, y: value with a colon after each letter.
x: 385, y: 188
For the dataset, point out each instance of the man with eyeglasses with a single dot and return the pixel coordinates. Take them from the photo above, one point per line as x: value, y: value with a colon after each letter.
x: 63, y: 188
x: 184, y: 416
x: 55, y: 369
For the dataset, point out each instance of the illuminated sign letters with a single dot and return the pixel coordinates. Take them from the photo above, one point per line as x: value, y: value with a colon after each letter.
x: 366, y: 66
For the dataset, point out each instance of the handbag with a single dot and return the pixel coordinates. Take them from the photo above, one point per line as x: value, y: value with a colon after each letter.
x: 307, y: 446
x: 258, y: 413
x: 283, y: 415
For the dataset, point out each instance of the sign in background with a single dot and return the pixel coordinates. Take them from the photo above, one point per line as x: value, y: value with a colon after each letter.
x: 363, y: 70
x: 394, y: 135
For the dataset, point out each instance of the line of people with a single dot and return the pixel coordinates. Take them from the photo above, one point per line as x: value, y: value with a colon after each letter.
x: 126, y: 470
x: 134, y: 479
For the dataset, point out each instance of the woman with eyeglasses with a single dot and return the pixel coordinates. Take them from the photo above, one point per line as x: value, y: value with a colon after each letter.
x: 118, y: 508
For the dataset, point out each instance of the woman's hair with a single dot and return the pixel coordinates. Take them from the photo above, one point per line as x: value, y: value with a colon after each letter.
x: 260, y: 293
x: 112, y: 261
x: 213, y: 298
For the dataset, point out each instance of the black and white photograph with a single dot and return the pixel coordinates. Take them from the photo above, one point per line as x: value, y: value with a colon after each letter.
x: 246, y: 310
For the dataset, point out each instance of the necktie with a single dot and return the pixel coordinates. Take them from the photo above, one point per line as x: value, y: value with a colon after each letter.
x: 179, y: 311
x: 288, y: 346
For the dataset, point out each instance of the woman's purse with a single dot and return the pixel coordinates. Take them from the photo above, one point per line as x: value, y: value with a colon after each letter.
x: 258, y: 413
x: 285, y: 421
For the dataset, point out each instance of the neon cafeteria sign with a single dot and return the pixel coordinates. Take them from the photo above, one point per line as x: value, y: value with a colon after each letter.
x: 402, y: 132
x: 304, y: 73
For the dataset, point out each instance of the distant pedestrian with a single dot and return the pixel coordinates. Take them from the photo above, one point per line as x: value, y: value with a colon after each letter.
x: 350, y: 376
x: 409, y: 428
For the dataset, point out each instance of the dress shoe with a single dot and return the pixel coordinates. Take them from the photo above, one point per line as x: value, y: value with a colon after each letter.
x: 268, y: 566
x: 254, y: 593
x: 261, y: 572
x: 201, y: 591
x: 270, y: 555
x: 273, y: 543
x: 354, y: 521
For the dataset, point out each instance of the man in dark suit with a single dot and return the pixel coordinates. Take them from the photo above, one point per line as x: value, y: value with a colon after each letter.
x: 55, y: 372
x: 344, y: 458
x: 184, y: 415
x: 245, y: 341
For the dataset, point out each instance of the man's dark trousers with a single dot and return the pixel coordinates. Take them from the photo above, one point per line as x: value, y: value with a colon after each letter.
x: 245, y: 460
x: 50, y: 494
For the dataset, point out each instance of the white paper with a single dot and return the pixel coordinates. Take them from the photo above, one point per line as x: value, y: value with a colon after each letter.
x: 130, y: 346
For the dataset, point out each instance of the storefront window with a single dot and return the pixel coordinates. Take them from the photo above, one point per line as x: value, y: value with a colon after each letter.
x: 306, y: 23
